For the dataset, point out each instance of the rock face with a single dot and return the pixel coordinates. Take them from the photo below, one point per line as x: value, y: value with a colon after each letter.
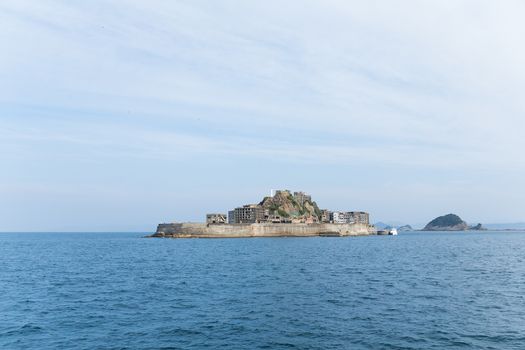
x: 284, y: 204
x: 450, y: 222
x: 478, y: 227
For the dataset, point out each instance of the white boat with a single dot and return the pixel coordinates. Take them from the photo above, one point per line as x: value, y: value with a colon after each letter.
x: 393, y: 231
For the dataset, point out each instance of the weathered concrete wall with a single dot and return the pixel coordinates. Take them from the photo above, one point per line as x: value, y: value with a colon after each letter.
x: 181, y: 230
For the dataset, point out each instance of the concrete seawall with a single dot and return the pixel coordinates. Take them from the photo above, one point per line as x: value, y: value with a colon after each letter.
x: 197, y: 230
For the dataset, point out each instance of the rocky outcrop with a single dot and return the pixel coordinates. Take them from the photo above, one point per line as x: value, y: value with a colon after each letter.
x: 450, y: 222
x: 286, y: 205
x: 478, y: 227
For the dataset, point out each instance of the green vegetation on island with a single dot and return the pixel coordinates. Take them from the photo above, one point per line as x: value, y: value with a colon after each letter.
x: 288, y: 205
x: 450, y: 222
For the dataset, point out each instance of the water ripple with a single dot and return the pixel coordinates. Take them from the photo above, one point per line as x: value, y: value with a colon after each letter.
x: 119, y: 291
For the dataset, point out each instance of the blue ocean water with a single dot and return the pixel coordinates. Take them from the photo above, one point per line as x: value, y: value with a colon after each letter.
x: 120, y: 291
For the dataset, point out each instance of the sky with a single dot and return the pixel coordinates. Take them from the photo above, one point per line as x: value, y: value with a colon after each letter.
x: 119, y: 115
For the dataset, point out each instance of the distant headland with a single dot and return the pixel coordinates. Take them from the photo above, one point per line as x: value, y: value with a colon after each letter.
x: 283, y: 213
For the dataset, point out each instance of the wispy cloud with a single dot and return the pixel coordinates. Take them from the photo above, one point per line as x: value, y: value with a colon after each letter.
x: 426, y: 86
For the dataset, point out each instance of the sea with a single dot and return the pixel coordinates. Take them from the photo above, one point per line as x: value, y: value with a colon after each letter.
x: 417, y: 290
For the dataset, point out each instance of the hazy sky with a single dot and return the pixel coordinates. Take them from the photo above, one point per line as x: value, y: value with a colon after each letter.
x: 117, y: 115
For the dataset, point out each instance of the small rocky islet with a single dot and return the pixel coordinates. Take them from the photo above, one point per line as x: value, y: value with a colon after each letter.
x: 451, y: 222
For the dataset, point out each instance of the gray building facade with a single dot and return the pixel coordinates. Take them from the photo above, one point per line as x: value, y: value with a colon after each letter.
x: 247, y: 214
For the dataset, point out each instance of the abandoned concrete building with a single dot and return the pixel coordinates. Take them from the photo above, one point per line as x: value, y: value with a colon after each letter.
x: 258, y: 213
x: 348, y: 217
x: 301, y: 197
x: 216, y: 218
x: 247, y: 214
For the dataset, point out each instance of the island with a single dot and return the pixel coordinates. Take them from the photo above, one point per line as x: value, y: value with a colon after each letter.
x: 451, y: 222
x: 281, y: 214
x: 405, y: 228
